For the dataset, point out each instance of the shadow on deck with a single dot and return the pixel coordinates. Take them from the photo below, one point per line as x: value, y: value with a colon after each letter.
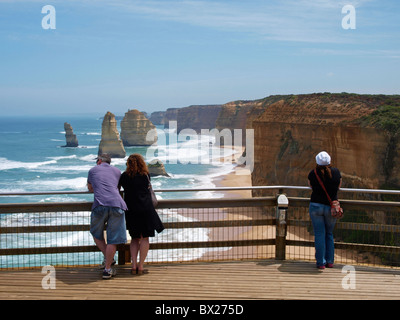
x: 240, y: 280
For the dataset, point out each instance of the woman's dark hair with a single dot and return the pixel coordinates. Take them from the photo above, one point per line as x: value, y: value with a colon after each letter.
x: 325, y: 171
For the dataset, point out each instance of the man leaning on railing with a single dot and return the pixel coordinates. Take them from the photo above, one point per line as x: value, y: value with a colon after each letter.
x: 108, y: 207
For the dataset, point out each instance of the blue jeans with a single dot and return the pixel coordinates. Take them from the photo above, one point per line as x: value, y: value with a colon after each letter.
x: 323, y: 224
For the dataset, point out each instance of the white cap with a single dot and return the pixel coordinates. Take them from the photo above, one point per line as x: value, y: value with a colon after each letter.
x: 323, y: 158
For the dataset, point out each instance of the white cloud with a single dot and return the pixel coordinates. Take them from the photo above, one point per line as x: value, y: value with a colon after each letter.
x: 290, y: 20
x: 309, y: 21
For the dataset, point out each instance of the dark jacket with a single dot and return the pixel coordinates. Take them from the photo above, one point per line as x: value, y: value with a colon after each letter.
x: 331, y: 185
x: 141, y: 217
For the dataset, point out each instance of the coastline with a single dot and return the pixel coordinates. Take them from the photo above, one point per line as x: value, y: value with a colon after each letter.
x: 238, y: 177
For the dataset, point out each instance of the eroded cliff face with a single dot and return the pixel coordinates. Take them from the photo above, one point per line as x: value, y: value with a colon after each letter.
x: 110, y: 142
x: 291, y: 132
x: 235, y: 115
x: 198, y: 117
x: 171, y: 114
x: 240, y: 114
x: 134, y: 129
x: 158, y: 117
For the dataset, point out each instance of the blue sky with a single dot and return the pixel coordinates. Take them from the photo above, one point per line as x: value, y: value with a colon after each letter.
x: 153, y: 55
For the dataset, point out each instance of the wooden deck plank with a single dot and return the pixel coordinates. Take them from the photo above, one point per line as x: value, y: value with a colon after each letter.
x: 223, y: 280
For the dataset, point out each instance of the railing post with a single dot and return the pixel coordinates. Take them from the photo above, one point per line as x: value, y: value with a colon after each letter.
x: 281, y: 227
x: 122, y: 254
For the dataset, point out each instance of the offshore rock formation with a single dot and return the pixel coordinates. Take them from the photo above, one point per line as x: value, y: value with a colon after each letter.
x: 290, y: 132
x: 156, y: 168
x: 134, y: 129
x: 70, y: 137
x: 110, y: 142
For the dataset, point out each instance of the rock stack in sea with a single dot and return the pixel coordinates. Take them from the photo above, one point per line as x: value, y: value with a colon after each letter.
x: 110, y: 142
x: 70, y: 137
x: 156, y: 168
x: 134, y: 129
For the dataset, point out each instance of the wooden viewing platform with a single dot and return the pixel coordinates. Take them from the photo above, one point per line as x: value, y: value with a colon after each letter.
x: 268, y: 242
x: 240, y: 280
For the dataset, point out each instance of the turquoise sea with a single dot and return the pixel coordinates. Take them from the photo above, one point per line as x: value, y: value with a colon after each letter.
x: 32, y: 159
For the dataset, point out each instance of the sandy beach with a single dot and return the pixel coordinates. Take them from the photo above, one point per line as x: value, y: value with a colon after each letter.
x: 239, y: 177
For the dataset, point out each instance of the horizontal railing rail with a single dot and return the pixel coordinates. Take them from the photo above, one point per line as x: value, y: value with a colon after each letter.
x: 242, y: 215
x: 216, y: 189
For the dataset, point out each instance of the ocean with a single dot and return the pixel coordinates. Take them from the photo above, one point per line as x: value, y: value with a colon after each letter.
x: 32, y: 159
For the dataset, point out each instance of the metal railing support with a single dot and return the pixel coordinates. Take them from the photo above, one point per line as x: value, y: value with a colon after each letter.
x: 281, y: 227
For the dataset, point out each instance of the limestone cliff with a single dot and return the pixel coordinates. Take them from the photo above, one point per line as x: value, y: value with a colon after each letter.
x: 236, y: 115
x: 110, y: 142
x: 134, y: 129
x: 198, y: 117
x: 170, y: 115
x: 194, y: 117
x: 158, y: 117
x: 290, y: 132
x: 70, y: 137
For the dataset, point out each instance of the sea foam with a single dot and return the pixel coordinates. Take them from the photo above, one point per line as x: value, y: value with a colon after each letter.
x: 6, y: 164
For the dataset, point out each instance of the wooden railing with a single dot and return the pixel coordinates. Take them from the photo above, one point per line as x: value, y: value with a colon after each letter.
x: 251, y: 228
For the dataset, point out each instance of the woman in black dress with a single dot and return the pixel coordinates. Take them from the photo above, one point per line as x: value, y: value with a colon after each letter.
x: 141, y: 217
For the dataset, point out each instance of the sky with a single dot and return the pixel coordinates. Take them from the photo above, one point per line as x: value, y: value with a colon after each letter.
x: 89, y: 56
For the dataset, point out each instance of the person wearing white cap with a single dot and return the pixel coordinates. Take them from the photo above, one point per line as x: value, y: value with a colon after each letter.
x: 320, y: 208
x: 323, y: 159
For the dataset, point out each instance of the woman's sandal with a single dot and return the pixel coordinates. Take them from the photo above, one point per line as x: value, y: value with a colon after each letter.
x: 139, y: 272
